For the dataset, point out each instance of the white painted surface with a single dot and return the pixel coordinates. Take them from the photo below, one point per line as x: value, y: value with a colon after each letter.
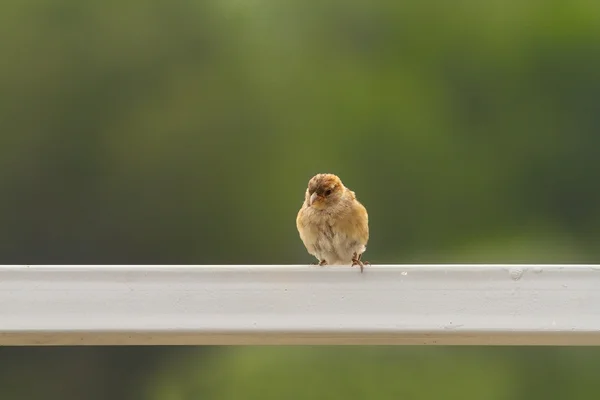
x: 388, y: 302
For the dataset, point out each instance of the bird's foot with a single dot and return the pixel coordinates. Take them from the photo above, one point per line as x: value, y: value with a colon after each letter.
x: 356, y: 261
x: 320, y: 263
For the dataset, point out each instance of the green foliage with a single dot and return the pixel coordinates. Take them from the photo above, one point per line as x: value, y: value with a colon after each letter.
x: 381, y: 372
x: 185, y: 132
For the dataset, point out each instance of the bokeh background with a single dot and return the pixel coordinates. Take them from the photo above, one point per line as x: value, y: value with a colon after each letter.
x: 185, y: 131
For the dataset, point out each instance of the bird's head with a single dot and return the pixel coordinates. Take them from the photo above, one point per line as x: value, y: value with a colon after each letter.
x: 324, y: 190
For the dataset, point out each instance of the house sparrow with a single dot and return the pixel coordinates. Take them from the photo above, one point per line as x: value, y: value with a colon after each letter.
x: 333, y: 224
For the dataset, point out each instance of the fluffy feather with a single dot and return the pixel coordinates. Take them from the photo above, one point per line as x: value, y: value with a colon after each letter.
x: 332, y: 223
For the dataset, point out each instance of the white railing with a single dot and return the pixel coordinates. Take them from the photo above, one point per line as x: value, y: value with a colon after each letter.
x: 291, y: 304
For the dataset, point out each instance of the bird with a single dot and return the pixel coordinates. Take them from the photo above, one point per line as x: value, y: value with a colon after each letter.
x: 332, y: 223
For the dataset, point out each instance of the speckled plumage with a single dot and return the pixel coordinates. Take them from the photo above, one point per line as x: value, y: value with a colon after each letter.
x: 332, y: 223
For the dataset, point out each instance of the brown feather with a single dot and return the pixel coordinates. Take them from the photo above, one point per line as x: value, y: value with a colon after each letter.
x: 335, y: 227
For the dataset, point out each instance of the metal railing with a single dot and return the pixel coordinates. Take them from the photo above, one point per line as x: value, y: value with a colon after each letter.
x: 293, y: 304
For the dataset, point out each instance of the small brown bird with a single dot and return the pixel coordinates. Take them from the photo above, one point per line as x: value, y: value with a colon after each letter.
x: 333, y: 224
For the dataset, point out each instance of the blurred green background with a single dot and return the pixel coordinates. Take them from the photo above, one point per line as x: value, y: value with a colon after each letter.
x: 185, y: 131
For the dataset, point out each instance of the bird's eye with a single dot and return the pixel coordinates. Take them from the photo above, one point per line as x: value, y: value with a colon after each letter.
x: 327, y: 192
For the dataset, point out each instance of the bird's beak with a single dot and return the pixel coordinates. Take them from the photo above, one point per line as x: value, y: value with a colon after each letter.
x: 313, y: 197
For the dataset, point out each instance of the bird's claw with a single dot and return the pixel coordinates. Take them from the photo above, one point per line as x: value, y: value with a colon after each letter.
x: 356, y: 261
